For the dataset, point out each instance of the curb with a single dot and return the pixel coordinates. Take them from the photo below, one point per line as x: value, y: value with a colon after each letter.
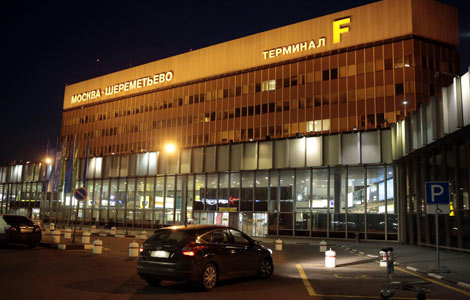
x: 61, y: 246
x: 426, y: 273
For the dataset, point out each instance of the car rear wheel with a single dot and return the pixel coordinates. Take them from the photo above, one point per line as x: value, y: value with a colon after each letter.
x: 32, y: 245
x: 209, y: 277
x: 266, y: 268
x: 153, y: 281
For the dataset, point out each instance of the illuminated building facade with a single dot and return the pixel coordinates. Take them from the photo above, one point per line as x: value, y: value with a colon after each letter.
x: 292, y: 131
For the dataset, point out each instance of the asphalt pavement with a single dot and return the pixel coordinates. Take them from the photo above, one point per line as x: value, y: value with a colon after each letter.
x: 300, y: 270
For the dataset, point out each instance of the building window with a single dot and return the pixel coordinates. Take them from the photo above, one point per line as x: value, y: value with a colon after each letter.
x: 399, y: 89
x: 334, y: 73
x: 269, y: 85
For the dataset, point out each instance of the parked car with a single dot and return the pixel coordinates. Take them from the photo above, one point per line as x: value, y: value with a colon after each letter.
x: 203, y: 255
x: 19, y: 229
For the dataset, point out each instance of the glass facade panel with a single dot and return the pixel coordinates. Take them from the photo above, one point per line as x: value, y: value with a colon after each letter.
x: 181, y: 185
x: 104, y: 202
x: 211, y: 192
x: 130, y: 202
x: 142, y: 164
x: 265, y: 155
x: 169, y: 200
x: 287, y: 191
x: 223, y: 198
x: 199, y: 197
x: 185, y: 160
x: 250, y: 156
x: 190, y: 199
x: 375, y: 197
x: 132, y: 165
x: 280, y: 152
x: 148, y: 201
x: 140, y: 202
x: 262, y: 191
x: 159, y: 200
x: 153, y: 160
x: 234, y: 190
x: 223, y: 161
x: 302, y: 202
x: 246, y: 197
x: 198, y: 160
x: 297, y: 153
x: 319, y: 201
x: 124, y: 172
x: 391, y: 200
x: 121, y: 201
x: 112, y: 201
x: 210, y: 159
x: 236, y: 157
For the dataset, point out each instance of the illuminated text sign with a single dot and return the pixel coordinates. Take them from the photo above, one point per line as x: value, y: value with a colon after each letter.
x: 123, y: 87
x: 338, y: 29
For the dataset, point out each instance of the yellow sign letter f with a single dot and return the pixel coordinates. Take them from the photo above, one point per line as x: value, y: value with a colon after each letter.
x: 338, y: 30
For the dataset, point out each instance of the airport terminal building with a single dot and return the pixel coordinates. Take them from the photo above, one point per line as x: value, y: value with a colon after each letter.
x: 324, y: 128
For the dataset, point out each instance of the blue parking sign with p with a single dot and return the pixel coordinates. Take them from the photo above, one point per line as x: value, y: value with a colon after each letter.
x: 437, y: 192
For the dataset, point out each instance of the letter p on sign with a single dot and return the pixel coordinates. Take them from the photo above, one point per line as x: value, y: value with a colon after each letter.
x: 436, y: 190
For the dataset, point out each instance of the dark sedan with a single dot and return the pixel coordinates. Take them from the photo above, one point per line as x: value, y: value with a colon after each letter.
x: 19, y: 229
x: 202, y: 254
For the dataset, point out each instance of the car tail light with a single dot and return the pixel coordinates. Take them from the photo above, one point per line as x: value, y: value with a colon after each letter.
x: 12, y: 229
x: 192, y: 248
x: 141, y: 250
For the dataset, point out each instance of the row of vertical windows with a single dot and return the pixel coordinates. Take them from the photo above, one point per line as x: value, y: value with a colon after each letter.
x: 358, y: 90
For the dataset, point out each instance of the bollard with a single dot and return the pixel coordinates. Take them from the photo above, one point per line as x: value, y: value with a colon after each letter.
x: 113, y: 230
x: 56, y: 236
x: 383, y: 258
x: 133, y: 249
x: 323, y: 246
x: 278, y: 245
x: 86, y: 237
x: 330, y: 259
x: 68, y: 233
x: 143, y: 235
x: 93, y: 229
x: 97, y: 247
x: 52, y: 227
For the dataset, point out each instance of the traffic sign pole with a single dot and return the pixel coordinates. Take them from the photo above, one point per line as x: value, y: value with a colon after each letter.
x: 437, y: 202
x: 76, y: 220
x: 80, y: 194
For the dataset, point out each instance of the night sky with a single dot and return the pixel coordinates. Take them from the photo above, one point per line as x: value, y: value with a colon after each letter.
x: 51, y: 44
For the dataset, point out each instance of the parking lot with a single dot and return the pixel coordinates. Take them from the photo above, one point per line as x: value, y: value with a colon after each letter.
x: 47, y: 273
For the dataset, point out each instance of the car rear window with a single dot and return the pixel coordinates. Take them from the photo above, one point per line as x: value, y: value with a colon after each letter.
x: 169, y: 235
x: 17, y: 220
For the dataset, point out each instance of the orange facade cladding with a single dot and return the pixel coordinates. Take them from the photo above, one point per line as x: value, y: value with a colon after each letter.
x: 353, y: 88
x: 361, y: 89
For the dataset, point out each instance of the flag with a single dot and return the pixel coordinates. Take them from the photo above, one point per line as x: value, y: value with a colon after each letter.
x: 44, y: 170
x: 86, y: 160
x: 69, y: 168
x: 75, y: 167
x: 50, y: 176
x: 62, y: 166
x: 57, y: 169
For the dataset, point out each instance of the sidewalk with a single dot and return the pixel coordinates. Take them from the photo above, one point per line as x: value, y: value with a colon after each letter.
x: 417, y: 259
x: 420, y: 259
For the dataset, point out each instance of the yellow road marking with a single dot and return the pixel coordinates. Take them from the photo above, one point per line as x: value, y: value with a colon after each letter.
x: 434, y: 281
x: 307, y: 284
